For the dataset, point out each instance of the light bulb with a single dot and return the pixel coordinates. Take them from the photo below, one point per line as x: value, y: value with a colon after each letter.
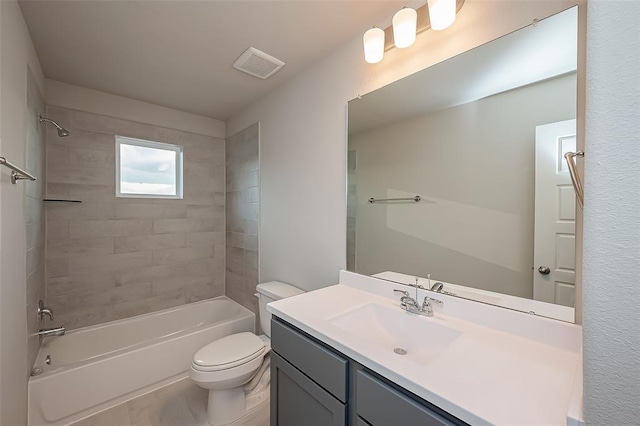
x: 442, y: 13
x: 404, y: 27
x: 373, y: 41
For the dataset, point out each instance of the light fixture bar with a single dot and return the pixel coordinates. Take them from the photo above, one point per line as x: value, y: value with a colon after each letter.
x: 424, y: 23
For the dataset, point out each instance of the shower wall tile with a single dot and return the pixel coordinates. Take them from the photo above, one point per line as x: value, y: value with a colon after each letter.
x: 243, y: 216
x: 84, y: 211
x: 110, y: 258
x: 84, y: 229
x: 149, y: 242
x: 34, y: 213
x: 150, y: 211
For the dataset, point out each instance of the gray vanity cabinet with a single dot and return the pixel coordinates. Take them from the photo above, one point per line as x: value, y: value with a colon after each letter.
x: 312, y: 384
x: 308, y: 380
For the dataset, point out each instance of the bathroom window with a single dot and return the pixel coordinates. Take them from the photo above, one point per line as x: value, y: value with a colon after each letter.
x: 147, y: 169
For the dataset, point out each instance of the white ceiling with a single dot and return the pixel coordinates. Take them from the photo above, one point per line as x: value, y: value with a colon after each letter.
x: 532, y: 54
x: 179, y: 53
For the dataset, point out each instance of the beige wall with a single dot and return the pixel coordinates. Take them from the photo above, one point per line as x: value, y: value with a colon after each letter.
x: 75, y: 97
x: 473, y: 165
x: 16, y: 55
x: 303, y: 132
x: 110, y: 258
x: 243, y: 216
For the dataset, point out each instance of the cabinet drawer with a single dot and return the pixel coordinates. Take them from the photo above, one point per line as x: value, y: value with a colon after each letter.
x: 319, y: 363
x: 382, y: 405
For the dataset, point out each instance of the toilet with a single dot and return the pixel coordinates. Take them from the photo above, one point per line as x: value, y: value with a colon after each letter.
x: 235, y: 368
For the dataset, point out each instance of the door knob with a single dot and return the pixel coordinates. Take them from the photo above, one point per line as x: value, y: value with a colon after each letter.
x: 544, y: 270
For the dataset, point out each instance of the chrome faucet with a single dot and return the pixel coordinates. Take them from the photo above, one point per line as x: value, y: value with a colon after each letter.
x: 48, y: 332
x: 43, y: 310
x: 437, y: 287
x: 410, y: 304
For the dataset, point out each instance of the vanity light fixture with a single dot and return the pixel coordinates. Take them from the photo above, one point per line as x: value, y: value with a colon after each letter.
x: 407, y: 23
x: 373, y: 41
x: 442, y: 13
x: 404, y: 27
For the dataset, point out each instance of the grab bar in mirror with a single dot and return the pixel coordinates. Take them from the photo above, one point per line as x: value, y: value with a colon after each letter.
x: 575, y: 177
x: 417, y: 198
x: 17, y: 173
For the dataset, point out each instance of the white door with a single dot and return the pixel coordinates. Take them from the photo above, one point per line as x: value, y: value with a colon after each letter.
x: 555, y: 213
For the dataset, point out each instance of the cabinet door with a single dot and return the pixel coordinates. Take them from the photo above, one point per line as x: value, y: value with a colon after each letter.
x: 297, y: 400
x: 381, y: 405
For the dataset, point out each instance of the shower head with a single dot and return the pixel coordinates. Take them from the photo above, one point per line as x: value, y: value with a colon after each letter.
x: 62, y: 132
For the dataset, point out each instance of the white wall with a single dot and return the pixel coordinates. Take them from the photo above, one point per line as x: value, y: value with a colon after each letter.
x: 16, y: 52
x: 303, y: 133
x: 75, y: 97
x: 611, y: 291
x: 473, y: 165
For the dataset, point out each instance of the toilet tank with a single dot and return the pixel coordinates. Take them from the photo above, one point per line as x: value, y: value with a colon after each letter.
x: 268, y: 292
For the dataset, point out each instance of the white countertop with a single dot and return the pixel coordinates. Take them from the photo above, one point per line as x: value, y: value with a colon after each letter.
x: 505, y: 368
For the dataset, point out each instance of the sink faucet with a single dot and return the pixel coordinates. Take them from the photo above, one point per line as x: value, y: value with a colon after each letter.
x: 410, y: 304
x: 47, y: 332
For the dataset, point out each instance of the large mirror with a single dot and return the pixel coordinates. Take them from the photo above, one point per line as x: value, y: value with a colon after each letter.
x: 456, y: 173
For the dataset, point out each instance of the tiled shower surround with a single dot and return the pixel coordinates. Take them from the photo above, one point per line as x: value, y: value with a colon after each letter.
x: 110, y: 258
x: 243, y: 216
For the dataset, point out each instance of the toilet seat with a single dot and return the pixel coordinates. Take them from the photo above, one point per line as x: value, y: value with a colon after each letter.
x: 229, y: 352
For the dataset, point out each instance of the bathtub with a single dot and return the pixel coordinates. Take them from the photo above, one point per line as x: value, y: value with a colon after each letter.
x: 97, y: 367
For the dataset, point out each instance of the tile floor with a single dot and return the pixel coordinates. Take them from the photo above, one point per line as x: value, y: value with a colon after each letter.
x: 179, y: 404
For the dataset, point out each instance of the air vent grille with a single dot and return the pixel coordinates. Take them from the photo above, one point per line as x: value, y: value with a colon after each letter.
x: 258, y: 63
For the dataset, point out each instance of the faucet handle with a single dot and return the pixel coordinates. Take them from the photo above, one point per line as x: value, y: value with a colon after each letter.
x: 428, y: 299
x: 403, y: 299
x: 427, y: 307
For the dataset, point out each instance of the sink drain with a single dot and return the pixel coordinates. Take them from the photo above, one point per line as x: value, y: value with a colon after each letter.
x: 400, y: 351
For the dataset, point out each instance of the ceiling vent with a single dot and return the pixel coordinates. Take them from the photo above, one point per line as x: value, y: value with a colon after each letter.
x: 258, y: 63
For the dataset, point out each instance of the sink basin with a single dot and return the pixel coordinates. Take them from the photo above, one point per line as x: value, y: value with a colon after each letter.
x: 412, y: 337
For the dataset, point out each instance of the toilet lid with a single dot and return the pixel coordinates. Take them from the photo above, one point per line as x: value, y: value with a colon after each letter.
x: 230, y: 351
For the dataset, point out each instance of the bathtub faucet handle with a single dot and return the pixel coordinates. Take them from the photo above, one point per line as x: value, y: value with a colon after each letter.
x: 43, y: 310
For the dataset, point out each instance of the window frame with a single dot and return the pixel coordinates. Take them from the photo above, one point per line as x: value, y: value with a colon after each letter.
x: 178, y: 149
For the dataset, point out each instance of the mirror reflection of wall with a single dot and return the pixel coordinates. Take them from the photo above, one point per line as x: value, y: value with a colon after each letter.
x: 462, y: 135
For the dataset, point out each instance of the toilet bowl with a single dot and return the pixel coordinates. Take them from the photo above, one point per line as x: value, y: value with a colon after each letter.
x: 235, y: 368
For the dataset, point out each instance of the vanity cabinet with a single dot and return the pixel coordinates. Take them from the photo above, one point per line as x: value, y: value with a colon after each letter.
x: 312, y: 384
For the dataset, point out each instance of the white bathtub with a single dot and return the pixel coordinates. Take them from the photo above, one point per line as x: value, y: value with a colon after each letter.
x: 97, y: 367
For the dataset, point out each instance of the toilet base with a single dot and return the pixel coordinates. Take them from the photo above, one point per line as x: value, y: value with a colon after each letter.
x: 225, y: 406
x: 258, y: 415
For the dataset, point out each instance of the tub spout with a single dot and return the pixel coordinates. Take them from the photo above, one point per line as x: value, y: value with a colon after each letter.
x: 47, y: 332
x: 44, y: 311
